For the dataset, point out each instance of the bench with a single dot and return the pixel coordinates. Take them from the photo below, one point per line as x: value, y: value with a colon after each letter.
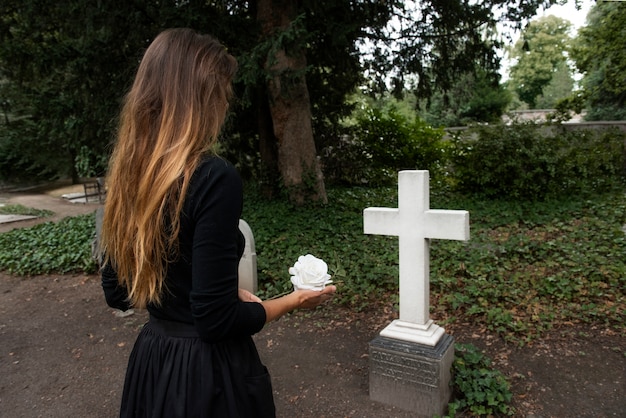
x: 95, y: 189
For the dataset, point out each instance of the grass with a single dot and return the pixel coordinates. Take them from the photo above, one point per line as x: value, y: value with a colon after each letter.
x: 527, y: 269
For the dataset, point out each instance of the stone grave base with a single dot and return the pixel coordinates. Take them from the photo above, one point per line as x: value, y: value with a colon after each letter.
x: 411, y: 376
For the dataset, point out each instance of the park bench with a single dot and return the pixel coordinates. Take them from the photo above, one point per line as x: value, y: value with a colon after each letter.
x: 95, y: 190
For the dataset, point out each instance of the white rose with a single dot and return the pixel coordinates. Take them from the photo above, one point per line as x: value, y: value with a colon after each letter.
x: 309, y: 272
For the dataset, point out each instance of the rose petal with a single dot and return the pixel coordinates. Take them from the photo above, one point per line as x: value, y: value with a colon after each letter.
x: 309, y: 272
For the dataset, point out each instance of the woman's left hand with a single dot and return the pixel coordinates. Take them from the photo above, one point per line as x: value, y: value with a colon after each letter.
x: 246, y: 296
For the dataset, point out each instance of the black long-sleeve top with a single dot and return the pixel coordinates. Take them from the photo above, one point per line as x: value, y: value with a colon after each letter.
x: 201, y: 285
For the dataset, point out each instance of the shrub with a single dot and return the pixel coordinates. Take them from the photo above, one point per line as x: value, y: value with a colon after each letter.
x: 504, y: 161
x: 534, y: 162
x: 347, y: 162
x: 21, y: 158
x: 380, y: 144
x: 593, y: 160
x: 479, y: 389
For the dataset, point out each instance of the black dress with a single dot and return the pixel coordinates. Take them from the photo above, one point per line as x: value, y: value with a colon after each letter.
x: 196, y: 357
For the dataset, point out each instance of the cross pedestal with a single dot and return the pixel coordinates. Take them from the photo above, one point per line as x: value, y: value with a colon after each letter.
x: 410, y: 361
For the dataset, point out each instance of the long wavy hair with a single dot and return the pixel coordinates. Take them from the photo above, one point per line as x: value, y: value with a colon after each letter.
x: 171, y: 116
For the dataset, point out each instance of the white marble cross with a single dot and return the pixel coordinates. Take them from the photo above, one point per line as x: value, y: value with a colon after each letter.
x: 415, y: 223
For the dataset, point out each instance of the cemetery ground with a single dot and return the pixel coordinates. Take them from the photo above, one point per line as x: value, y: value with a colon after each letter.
x: 64, y: 352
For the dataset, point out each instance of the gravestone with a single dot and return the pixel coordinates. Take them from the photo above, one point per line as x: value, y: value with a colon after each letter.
x: 410, y: 360
x: 5, y: 219
x: 247, y: 264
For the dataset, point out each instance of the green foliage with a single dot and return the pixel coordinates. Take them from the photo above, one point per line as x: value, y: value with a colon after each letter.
x: 529, y: 267
x: 23, y: 210
x: 540, y: 52
x: 18, y: 159
x: 332, y: 232
x: 479, y: 389
x: 383, y: 142
x: 396, y: 143
x: 66, y: 65
x: 60, y: 247
x: 536, y: 162
x: 449, y: 38
x: 486, y: 105
x: 560, y: 86
x: 472, y: 98
x: 600, y: 55
x: 532, y: 266
x: 573, y: 104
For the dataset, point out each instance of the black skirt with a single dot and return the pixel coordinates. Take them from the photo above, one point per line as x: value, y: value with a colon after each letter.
x: 172, y: 373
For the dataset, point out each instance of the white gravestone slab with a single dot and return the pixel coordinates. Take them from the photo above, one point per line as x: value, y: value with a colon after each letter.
x: 247, y: 265
x: 415, y: 224
x: 5, y: 219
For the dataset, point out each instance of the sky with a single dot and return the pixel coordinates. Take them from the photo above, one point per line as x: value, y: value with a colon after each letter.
x: 568, y: 11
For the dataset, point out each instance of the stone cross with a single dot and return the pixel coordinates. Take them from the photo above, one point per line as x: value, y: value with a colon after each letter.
x: 415, y: 224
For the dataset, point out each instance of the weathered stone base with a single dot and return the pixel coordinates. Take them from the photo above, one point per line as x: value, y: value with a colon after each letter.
x: 411, y: 376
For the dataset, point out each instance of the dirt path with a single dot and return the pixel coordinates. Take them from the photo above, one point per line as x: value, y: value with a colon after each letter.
x: 48, y: 198
x: 63, y: 353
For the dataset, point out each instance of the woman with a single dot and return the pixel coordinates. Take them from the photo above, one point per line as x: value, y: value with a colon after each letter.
x: 171, y: 242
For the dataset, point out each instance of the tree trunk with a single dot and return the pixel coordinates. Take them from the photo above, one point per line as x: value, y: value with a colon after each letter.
x: 268, y: 147
x: 290, y: 107
x: 73, y: 170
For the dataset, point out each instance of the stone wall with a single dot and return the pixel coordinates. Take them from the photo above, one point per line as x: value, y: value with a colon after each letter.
x: 570, y: 126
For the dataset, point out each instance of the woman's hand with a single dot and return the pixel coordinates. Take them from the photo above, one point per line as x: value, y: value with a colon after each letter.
x: 299, y: 299
x: 310, y: 299
x: 246, y: 296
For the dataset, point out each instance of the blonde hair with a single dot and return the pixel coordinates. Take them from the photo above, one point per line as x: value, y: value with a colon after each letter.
x: 171, y: 116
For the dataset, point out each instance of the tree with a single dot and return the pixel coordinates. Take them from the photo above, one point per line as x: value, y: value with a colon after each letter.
x: 310, y: 48
x: 541, y: 52
x: 600, y: 56
x: 67, y: 64
x: 473, y: 98
x: 289, y: 102
x: 297, y: 77
x: 560, y: 86
x: 70, y: 62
